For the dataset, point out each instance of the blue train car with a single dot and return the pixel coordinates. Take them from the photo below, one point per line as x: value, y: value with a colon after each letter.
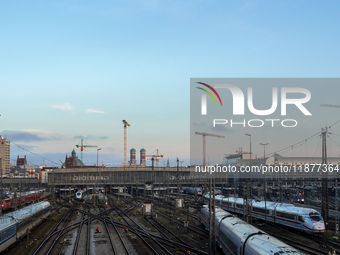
x: 8, y: 232
x: 15, y: 225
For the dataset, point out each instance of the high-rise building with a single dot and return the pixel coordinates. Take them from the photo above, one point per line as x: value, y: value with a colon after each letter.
x: 5, y: 154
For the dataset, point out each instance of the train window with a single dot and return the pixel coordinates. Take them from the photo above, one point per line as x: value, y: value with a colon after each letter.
x: 285, y: 215
x: 228, y: 242
x: 301, y: 219
x: 226, y: 202
x: 315, y: 216
x: 261, y: 210
x: 240, y: 206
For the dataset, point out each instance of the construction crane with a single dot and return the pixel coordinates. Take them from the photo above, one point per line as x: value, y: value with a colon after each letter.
x: 204, y: 149
x: 82, y: 146
x: 155, y: 156
x: 125, y: 124
x: 62, y: 163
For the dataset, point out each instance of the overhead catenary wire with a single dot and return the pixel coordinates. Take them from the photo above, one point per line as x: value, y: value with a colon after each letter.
x: 294, y: 145
x: 333, y: 140
x: 302, y: 141
x: 34, y: 153
x: 317, y: 147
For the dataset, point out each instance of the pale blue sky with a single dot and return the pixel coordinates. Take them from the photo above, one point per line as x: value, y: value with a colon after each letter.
x: 133, y: 60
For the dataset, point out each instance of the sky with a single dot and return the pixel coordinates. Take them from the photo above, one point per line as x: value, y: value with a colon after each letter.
x: 72, y: 70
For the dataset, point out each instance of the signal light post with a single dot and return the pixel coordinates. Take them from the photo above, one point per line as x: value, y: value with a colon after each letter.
x: 249, y: 188
x: 265, y: 181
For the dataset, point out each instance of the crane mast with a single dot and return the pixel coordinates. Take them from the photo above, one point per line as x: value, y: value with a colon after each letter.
x: 125, y: 153
x: 204, y: 147
x: 82, y: 146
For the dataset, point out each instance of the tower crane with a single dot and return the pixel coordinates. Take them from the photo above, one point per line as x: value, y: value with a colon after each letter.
x: 155, y: 156
x: 204, y: 149
x: 82, y: 146
x: 125, y: 124
x: 62, y: 163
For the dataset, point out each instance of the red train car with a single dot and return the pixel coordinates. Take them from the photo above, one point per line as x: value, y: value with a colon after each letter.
x: 23, y: 199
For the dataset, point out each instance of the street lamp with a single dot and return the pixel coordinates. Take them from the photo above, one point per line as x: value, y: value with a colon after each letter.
x: 97, y: 167
x: 265, y: 181
x: 249, y: 185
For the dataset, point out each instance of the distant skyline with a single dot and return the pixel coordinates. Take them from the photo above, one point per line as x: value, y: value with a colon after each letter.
x: 72, y: 70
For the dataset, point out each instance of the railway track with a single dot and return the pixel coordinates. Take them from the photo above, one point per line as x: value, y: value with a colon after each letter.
x: 121, y: 246
x: 325, y: 244
x: 153, y: 244
x: 299, y: 245
x: 66, y: 218
x: 161, y: 228
x: 81, y: 231
x: 166, y: 241
x: 193, y: 228
x: 85, y: 220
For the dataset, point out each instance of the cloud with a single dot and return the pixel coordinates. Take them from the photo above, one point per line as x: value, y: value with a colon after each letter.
x: 64, y: 107
x: 220, y: 128
x: 90, y: 137
x: 38, y: 131
x: 30, y: 135
x: 22, y: 136
x: 94, y: 111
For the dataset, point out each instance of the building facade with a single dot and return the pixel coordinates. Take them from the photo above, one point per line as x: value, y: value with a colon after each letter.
x: 143, y: 157
x: 73, y: 161
x: 5, y: 154
x: 21, y: 161
x: 132, y: 157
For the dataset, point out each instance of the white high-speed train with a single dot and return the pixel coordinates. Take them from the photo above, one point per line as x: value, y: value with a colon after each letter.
x: 80, y: 193
x: 305, y: 219
x: 237, y: 237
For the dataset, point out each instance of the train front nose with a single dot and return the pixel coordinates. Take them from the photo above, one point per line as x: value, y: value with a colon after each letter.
x: 318, y: 226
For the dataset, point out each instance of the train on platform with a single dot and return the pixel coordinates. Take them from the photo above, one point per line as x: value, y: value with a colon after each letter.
x: 302, y: 218
x: 64, y: 192
x: 192, y: 191
x: 23, y: 198
x: 15, y: 225
x: 235, y: 236
x: 300, y: 197
x: 80, y: 193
